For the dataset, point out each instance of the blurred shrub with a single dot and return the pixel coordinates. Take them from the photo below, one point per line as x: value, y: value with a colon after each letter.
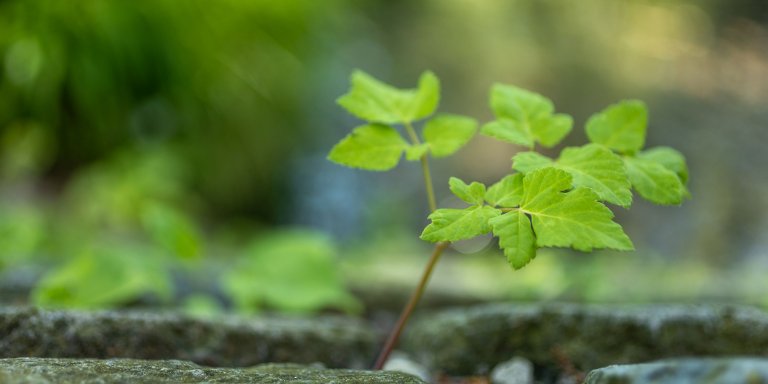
x: 223, y: 82
x: 22, y: 230
x: 290, y: 270
x: 105, y: 275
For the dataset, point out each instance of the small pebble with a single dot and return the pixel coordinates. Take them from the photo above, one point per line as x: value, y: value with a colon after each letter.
x: 515, y: 371
x: 400, y: 362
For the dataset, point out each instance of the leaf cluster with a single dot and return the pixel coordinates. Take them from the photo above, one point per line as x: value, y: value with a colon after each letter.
x: 545, y: 202
x: 378, y: 145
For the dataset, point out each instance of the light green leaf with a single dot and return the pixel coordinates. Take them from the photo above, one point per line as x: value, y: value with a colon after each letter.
x: 550, y: 130
x: 473, y: 193
x: 669, y: 158
x: 508, y: 130
x: 459, y: 224
x: 519, y: 104
x: 620, y: 127
x: 172, y: 230
x: 375, y: 101
x: 508, y: 192
x: 415, y: 152
x: 569, y: 219
x: 446, y: 134
x: 542, y: 183
x: 592, y: 166
x: 289, y: 270
x: 530, y: 161
x: 374, y: 147
x: 599, y: 169
x: 524, y: 117
x: 103, y: 277
x: 654, y: 182
x: 515, y: 237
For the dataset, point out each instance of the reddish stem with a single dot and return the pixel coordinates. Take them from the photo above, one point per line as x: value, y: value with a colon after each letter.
x: 394, y: 335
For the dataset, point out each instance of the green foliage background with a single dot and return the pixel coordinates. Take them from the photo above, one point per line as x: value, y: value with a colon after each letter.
x: 179, y: 132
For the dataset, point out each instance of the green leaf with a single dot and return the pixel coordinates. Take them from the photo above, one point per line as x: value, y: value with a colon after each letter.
x: 375, y: 101
x: 446, y: 134
x: 174, y: 231
x: 374, y: 147
x: 473, y: 193
x: 415, y: 152
x: 524, y: 117
x: 569, y: 219
x: 654, y: 182
x: 459, y: 224
x: 592, y: 166
x: 530, y: 161
x: 508, y: 192
x: 620, y: 127
x: 669, y: 158
x: 599, y: 169
x: 508, y: 130
x: 515, y: 237
x: 550, y: 130
x: 289, y: 270
x: 104, y: 277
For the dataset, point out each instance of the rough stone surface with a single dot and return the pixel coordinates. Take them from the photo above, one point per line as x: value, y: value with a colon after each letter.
x: 93, y: 371
x: 685, y: 371
x: 335, y: 342
x: 514, y: 371
x: 573, y: 339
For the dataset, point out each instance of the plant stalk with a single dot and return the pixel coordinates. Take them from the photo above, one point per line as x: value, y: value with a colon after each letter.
x: 394, y: 335
x: 412, y: 302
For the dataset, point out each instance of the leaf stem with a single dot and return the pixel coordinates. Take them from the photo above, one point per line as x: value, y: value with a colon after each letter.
x: 430, y: 190
x: 412, y: 302
x: 411, y: 133
x: 428, y: 183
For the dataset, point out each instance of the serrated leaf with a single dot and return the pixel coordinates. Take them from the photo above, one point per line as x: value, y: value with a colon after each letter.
x: 592, y: 166
x: 376, y: 101
x: 515, y: 237
x: 459, y: 224
x: 569, y: 219
x: 415, y: 152
x: 509, y: 131
x: 524, y: 117
x: 446, y: 134
x: 620, y: 127
x: 654, y: 182
x: 473, y: 193
x: 508, y: 192
x: 530, y: 161
x: 374, y: 147
x: 669, y: 158
x: 599, y: 169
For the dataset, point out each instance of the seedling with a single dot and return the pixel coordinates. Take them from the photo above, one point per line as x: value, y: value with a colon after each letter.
x: 545, y: 202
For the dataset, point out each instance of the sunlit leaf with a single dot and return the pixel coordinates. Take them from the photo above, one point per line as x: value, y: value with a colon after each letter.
x: 471, y: 193
x: 378, y: 102
x: 446, y: 134
x: 374, y: 147
x: 620, y: 127
x: 515, y: 237
x: 459, y: 224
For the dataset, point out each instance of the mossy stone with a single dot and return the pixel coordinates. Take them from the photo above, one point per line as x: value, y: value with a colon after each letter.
x: 336, y: 342
x: 681, y: 371
x: 467, y: 341
x: 93, y: 371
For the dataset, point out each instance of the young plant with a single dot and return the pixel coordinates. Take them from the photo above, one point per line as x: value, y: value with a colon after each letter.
x: 546, y: 202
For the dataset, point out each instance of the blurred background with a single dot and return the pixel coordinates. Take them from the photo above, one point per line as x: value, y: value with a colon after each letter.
x: 174, y: 154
